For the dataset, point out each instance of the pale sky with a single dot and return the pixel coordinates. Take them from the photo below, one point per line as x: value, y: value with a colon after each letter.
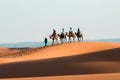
x: 32, y: 20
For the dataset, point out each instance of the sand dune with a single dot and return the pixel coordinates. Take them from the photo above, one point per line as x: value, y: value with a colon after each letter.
x: 6, y: 51
x: 62, y: 50
x: 66, y: 60
x: 107, y: 61
x: 11, y: 51
x: 115, y: 76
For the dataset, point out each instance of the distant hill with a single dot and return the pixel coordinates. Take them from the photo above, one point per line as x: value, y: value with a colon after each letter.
x: 38, y: 44
x: 106, y: 40
x: 22, y: 44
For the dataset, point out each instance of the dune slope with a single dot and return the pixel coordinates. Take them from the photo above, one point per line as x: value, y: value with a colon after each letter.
x: 68, y: 49
x: 115, y: 76
x: 100, y: 61
x: 78, y: 59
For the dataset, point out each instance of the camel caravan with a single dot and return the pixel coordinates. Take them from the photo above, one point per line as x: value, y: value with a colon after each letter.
x: 66, y: 35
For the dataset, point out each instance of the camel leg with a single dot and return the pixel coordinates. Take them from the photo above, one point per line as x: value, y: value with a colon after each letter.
x: 82, y: 38
x: 61, y: 40
x: 65, y: 39
x: 73, y: 39
x: 69, y: 39
x: 52, y: 41
x: 57, y: 40
x: 78, y: 39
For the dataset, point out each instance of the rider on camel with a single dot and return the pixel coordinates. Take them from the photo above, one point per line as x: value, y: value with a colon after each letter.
x: 62, y: 32
x: 78, y: 31
x: 70, y: 31
x: 54, y: 32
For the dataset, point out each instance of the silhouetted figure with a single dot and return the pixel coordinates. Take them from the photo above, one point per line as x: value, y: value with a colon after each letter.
x: 46, y: 41
x: 70, y: 31
x: 54, y: 36
x: 78, y: 31
x: 62, y: 34
x: 54, y: 32
x: 71, y: 35
x: 62, y: 30
x: 79, y: 35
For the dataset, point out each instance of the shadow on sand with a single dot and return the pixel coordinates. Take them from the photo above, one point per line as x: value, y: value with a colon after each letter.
x: 107, y: 61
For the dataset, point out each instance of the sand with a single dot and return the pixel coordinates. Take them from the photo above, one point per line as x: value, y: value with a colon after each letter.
x: 63, y: 50
x: 115, y: 76
x: 8, y: 51
x: 86, y: 61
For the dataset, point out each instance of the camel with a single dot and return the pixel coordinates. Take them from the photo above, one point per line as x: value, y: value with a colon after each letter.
x: 70, y: 35
x: 54, y: 38
x: 79, y: 36
x: 63, y: 37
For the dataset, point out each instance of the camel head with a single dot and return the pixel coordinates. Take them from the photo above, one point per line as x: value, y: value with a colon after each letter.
x: 50, y: 37
x: 58, y: 35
